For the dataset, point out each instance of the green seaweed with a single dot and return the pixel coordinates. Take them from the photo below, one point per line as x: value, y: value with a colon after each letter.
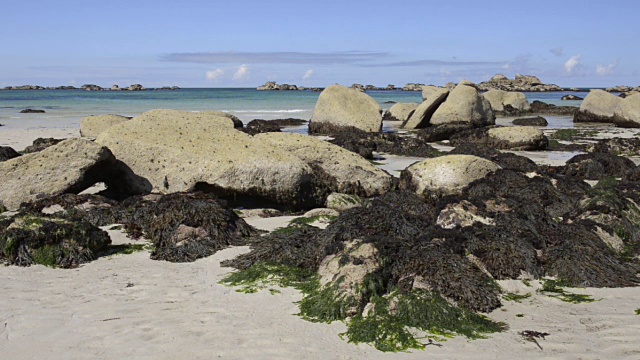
x: 46, y: 255
x: 261, y: 275
x: 516, y: 297
x: 554, y: 288
x: 572, y: 134
x: 637, y: 311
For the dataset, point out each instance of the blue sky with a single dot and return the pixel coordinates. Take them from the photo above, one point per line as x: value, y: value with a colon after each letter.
x: 245, y: 43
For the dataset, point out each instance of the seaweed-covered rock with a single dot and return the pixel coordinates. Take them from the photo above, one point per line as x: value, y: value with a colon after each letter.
x: 70, y: 166
x: 400, y: 112
x: 261, y: 126
x: 539, y: 107
x: 421, y: 117
x: 92, y: 126
x: 341, y: 106
x: 340, y: 170
x: 505, y: 160
x: 447, y: 174
x: 511, y: 138
x: 531, y: 121
x: 464, y: 104
x: 29, y: 240
x: 500, y: 98
x: 618, y: 146
x: 442, y: 132
x: 7, y: 153
x: 596, y: 166
x: 40, y: 144
x: 177, y: 151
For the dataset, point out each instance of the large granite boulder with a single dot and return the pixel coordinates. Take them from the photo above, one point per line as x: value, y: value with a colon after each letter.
x: 68, y: 167
x: 500, y: 98
x: 340, y: 106
x: 177, y: 151
x: 92, y: 126
x: 341, y: 170
x: 464, y: 105
x: 628, y: 112
x: 506, y: 138
x: 400, y: 112
x: 448, y: 174
x: 598, y: 106
x: 423, y: 113
x: 430, y: 89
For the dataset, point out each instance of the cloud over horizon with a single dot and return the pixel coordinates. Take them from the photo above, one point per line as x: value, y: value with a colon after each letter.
x: 307, y: 75
x: 572, y: 63
x: 242, y: 73
x: 214, y: 74
x: 602, y: 70
x: 329, y: 58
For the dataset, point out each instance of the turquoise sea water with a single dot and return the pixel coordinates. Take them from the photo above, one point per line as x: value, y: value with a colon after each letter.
x: 65, y: 108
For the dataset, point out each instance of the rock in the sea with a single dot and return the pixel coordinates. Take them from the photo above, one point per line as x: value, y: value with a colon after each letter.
x: 520, y: 83
x: 598, y: 106
x: 628, y: 112
x: 92, y: 126
x: 508, y: 137
x: 571, y: 97
x: 400, y: 112
x: 539, y: 107
x: 7, y: 153
x: 177, y: 151
x: 341, y: 106
x: 464, y: 105
x: 448, y: 174
x: 261, y: 126
x: 32, y: 111
x: 339, y: 169
x: 531, y: 121
x: 500, y: 98
x: 422, y: 115
x: 70, y: 166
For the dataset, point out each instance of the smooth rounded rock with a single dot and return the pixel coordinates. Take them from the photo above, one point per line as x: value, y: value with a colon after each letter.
x: 400, y: 111
x: 464, y: 105
x: 500, y: 98
x: 342, y: 106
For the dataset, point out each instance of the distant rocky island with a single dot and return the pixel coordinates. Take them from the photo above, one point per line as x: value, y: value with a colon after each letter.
x: 90, y: 87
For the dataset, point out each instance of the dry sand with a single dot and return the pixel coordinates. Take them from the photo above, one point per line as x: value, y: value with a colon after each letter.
x: 132, y: 307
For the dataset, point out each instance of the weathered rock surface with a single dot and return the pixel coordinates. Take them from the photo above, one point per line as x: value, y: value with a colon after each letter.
x: 628, y: 112
x: 40, y: 144
x: 341, y: 106
x: 422, y: 115
x: 442, y: 132
x: 70, y: 166
x: 447, y: 174
x: 92, y: 126
x: 507, y: 138
x: 500, y: 98
x: 531, y: 121
x: 464, y: 105
x: 598, y: 106
x: 177, y: 151
x: 340, y: 170
x: 400, y: 112
x: 539, y: 107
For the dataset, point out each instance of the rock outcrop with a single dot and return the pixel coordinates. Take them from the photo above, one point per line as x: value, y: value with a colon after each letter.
x: 70, y: 166
x: 464, y: 105
x: 448, y: 174
x: 341, y: 106
x: 500, y: 98
x: 571, y: 97
x: 400, y: 112
x: 628, y: 112
x: 92, y: 126
x: 340, y: 170
x: 422, y: 115
x: 177, y: 151
x: 520, y: 83
x: 598, y: 106
x: 271, y: 86
x: 412, y: 87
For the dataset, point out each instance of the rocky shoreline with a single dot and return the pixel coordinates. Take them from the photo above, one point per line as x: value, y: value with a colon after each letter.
x: 90, y: 87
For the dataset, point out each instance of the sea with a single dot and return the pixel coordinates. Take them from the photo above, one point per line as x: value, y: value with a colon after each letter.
x: 66, y: 108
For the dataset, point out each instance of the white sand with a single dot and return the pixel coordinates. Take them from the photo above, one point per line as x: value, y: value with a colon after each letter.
x: 19, y: 139
x: 129, y: 306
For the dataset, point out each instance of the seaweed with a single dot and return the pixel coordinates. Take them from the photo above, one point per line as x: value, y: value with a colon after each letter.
x: 596, y: 166
x: 554, y: 288
x: 516, y: 297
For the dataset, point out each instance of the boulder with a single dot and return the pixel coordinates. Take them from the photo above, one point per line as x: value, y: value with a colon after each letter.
x: 68, y: 167
x: 448, y: 174
x: 177, y: 151
x: 430, y: 89
x: 92, y: 126
x: 598, y: 106
x: 400, y: 112
x: 531, y: 121
x: 341, y: 106
x: 464, y: 105
x: 506, y: 138
x: 423, y: 113
x: 341, y: 170
x: 500, y: 98
x: 7, y: 153
x: 628, y: 112
x: 571, y: 97
x: 261, y: 126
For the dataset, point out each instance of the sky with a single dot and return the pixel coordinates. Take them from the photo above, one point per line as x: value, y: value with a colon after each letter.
x: 317, y: 43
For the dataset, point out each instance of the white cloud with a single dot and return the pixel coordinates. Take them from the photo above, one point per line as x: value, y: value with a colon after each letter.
x: 242, y: 73
x: 559, y: 51
x: 506, y: 67
x: 571, y: 64
x: 307, y: 75
x: 214, y: 74
x: 606, y: 70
